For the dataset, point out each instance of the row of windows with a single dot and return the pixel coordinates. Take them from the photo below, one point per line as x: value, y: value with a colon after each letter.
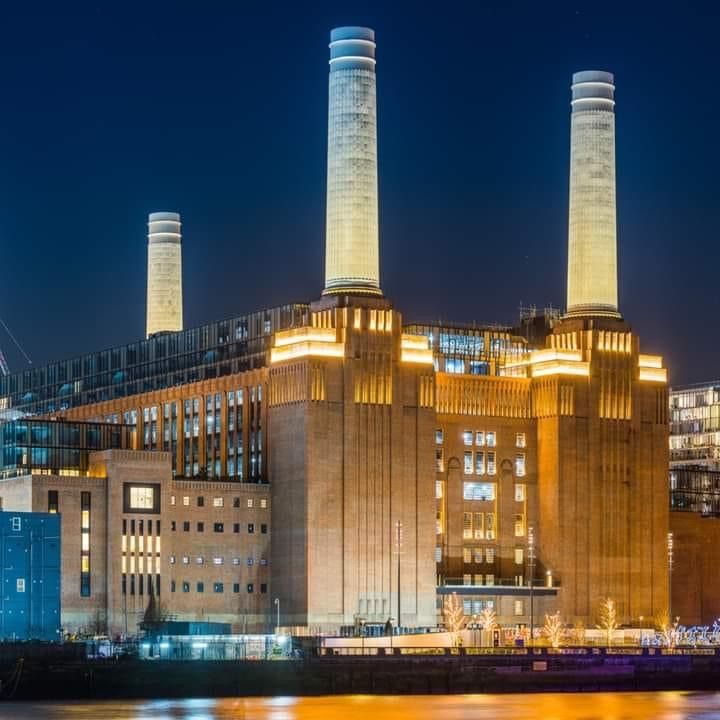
x: 475, y: 555
x: 218, y: 527
x: 481, y: 438
x: 217, y: 560
x: 219, y: 502
x: 218, y: 587
x: 475, y: 607
x: 485, y: 491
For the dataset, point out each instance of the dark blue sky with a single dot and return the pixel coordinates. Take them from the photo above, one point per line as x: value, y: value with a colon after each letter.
x: 218, y: 110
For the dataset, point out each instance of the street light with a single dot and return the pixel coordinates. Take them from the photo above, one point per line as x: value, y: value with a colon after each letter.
x: 277, y: 605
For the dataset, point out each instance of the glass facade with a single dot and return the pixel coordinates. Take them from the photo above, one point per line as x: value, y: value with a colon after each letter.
x: 695, y: 425
x: 55, y: 447
x: 470, y: 350
x: 214, y: 350
x: 695, y: 489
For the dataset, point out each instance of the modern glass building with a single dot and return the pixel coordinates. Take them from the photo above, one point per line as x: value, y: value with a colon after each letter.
x: 470, y: 349
x: 49, y: 447
x: 695, y: 425
x: 210, y: 351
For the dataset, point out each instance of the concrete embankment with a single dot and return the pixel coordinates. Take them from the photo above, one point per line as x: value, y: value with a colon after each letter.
x: 348, y: 674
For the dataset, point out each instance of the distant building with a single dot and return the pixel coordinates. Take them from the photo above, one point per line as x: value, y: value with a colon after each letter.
x: 31, y: 571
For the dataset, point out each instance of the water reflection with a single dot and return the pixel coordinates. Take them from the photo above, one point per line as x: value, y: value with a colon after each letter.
x: 556, y: 706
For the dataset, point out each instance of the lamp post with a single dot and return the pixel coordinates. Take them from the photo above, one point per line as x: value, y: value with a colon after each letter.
x: 531, y: 564
x: 277, y: 606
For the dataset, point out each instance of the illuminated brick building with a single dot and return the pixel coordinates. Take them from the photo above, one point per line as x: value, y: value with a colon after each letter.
x: 404, y: 463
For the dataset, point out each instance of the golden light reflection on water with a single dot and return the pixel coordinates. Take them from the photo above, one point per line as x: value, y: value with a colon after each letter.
x: 555, y: 706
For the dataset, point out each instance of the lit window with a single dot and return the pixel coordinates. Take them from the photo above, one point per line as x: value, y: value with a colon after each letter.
x: 438, y: 554
x: 468, y: 465
x: 518, y: 607
x: 141, y: 498
x: 250, y: 502
x: 218, y: 502
x: 20, y: 585
x: 467, y: 579
x: 439, y: 437
x: 478, y: 526
x: 491, y: 463
x: 200, y: 560
x: 467, y: 526
x: 263, y: 503
x: 438, y: 489
x: 172, y: 499
x: 519, y: 525
x: 478, y: 491
x: 217, y: 561
x: 236, y: 561
x: 490, y: 438
x: 490, y: 579
x: 478, y: 555
x: 519, y: 492
x: 520, y: 440
x: 490, y: 526
x: 455, y: 366
x: 186, y: 560
x: 172, y: 559
x: 467, y: 555
x: 85, y: 541
x: 439, y: 460
x: 467, y: 437
x: 480, y: 438
x: 186, y: 500
x: 479, y: 463
x: 519, y: 556
x: 490, y: 555
x: 520, y: 465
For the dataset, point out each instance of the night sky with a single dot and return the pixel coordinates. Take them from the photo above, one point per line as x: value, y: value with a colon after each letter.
x: 218, y: 110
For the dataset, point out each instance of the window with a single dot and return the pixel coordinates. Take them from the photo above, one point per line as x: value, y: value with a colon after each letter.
x: 520, y: 440
x: 236, y: 502
x: 490, y: 463
x: 186, y: 500
x: 519, y: 556
x: 20, y: 585
x: 16, y: 524
x: 263, y: 503
x: 251, y: 528
x: 490, y: 438
x: 438, y: 554
x: 490, y: 526
x: 478, y: 555
x: 84, y: 544
x: 172, y: 500
x: 249, y: 502
x: 218, y: 527
x: 467, y: 555
x: 263, y: 529
x: 520, y: 465
x: 439, y: 437
x: 186, y: 587
x: 439, y: 460
x: 200, y: 587
x: 173, y: 525
x: 172, y: 559
x: 518, y: 608
x: 201, y: 527
x: 263, y: 588
x: 519, y: 492
x: 467, y: 579
x: 217, y: 561
x: 490, y: 579
x: 490, y: 555
x: 201, y: 501
x: 250, y: 562
x: 467, y: 437
x: 467, y: 526
x: 218, y: 502
x: 236, y: 587
x: 468, y: 464
x: 250, y: 588
x: 480, y: 438
x: 172, y: 586
x: 52, y: 501
x: 236, y: 527
x: 186, y: 560
x: 218, y: 587
x: 478, y: 527
x: 236, y: 561
x: 200, y: 560
x: 479, y: 463
x: 438, y: 489
x: 142, y: 498
x: 478, y: 491
x: 519, y: 525
x: 263, y: 561
x: 186, y: 526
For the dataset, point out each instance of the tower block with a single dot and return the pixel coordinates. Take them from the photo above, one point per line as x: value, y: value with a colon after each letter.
x: 351, y: 411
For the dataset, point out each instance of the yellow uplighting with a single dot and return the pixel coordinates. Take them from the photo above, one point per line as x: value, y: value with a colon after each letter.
x: 304, y: 334
x: 305, y: 349
x: 650, y: 361
x: 415, y: 349
x: 561, y: 368
x: 653, y: 374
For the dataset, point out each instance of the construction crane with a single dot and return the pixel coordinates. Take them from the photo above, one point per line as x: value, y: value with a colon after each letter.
x: 4, y: 368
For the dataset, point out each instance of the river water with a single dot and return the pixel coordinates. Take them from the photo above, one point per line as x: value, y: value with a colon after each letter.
x: 549, y: 706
